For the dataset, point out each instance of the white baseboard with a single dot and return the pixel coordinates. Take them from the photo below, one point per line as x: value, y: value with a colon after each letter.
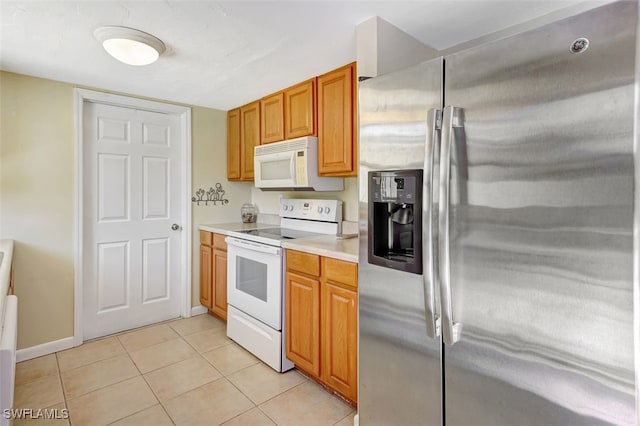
x: 68, y: 342
x: 44, y: 349
x: 197, y: 310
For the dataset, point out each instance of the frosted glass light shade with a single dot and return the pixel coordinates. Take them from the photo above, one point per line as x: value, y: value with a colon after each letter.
x: 129, y: 45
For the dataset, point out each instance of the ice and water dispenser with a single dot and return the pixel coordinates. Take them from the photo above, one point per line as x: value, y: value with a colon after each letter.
x: 395, y: 219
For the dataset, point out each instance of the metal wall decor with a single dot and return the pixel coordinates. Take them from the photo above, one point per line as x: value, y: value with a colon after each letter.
x: 214, y: 196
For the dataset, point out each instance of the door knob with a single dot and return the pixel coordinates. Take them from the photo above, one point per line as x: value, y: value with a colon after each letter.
x: 175, y: 227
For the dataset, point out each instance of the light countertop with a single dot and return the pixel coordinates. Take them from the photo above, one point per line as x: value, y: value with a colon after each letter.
x: 6, y: 247
x: 225, y: 228
x: 326, y: 245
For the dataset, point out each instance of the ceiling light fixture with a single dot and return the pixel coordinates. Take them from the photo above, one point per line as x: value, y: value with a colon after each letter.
x: 128, y: 45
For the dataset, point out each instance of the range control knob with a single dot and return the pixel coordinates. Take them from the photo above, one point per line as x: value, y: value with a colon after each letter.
x: 319, y: 209
x: 327, y: 210
x: 290, y: 207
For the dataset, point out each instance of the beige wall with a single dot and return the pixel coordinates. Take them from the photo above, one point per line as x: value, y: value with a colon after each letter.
x: 36, y: 202
x: 268, y: 201
x: 209, y: 161
x: 37, y: 196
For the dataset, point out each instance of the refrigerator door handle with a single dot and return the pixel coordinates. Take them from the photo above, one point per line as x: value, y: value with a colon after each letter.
x: 451, y: 117
x: 432, y: 146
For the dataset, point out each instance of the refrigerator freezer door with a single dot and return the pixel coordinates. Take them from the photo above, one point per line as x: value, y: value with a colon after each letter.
x: 541, y: 226
x: 399, y: 365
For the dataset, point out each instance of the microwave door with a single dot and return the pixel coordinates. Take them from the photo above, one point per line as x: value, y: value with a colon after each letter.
x: 275, y: 170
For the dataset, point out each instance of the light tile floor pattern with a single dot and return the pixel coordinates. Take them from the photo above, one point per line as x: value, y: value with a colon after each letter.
x: 182, y: 372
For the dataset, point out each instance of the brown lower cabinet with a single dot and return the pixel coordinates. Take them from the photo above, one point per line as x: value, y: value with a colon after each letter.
x: 213, y: 273
x: 321, y: 315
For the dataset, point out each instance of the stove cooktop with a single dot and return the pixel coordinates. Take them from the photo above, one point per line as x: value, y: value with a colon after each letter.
x: 278, y: 233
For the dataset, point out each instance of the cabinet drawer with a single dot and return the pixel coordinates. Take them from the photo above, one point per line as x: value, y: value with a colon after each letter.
x: 340, y: 271
x: 206, y: 238
x: 219, y: 242
x: 303, y: 262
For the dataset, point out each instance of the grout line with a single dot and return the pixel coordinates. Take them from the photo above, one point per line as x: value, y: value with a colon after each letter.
x: 158, y: 398
x: 133, y: 414
x: 351, y: 414
x: 197, y: 331
x: 64, y: 392
x: 267, y: 415
x: 119, y: 336
x: 197, y: 354
x: 100, y: 388
x: 103, y: 387
x: 90, y: 363
x: 283, y: 392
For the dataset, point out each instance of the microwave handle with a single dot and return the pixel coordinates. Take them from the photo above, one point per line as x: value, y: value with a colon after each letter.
x: 292, y: 165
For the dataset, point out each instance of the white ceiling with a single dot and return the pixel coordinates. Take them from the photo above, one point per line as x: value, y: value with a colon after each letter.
x: 224, y: 54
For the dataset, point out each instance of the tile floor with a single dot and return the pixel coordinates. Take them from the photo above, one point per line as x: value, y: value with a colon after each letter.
x: 182, y: 372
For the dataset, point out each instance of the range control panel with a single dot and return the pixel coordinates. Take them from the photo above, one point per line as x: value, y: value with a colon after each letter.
x: 323, y: 210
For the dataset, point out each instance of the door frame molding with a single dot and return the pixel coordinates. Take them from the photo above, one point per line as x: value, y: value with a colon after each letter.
x: 81, y: 96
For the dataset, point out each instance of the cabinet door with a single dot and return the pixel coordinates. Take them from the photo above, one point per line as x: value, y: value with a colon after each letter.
x: 219, y: 304
x: 206, y: 276
x: 272, y: 118
x: 303, y: 322
x: 340, y: 339
x: 300, y: 110
x: 337, y: 151
x: 249, y: 138
x: 233, y: 144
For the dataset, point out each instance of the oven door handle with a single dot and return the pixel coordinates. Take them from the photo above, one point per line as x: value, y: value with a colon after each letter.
x: 250, y: 245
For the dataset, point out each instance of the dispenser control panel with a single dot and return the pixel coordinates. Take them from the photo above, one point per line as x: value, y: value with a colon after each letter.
x: 391, y: 187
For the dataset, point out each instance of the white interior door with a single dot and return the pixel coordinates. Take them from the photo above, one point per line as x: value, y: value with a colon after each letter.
x: 131, y: 199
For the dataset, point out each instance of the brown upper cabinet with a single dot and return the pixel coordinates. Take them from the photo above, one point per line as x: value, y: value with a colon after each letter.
x: 272, y: 118
x: 337, y: 149
x: 324, y: 106
x: 243, y: 134
x: 289, y: 114
x: 249, y: 137
x: 300, y: 110
x: 233, y: 144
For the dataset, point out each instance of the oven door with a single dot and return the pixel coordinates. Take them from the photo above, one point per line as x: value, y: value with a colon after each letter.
x: 254, y: 280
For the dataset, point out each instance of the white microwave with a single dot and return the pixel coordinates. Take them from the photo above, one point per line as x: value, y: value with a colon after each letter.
x: 291, y: 165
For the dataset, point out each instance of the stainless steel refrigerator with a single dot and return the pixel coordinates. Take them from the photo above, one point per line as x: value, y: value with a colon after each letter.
x: 525, y: 310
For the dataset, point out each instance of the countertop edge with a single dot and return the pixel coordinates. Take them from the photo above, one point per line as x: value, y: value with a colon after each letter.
x: 326, y: 245
x: 317, y: 245
x: 225, y: 228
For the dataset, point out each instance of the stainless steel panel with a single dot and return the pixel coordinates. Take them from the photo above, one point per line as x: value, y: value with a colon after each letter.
x: 541, y: 226
x: 399, y: 366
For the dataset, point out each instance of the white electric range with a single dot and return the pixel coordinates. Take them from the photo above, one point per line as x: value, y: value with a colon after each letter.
x: 255, y: 276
